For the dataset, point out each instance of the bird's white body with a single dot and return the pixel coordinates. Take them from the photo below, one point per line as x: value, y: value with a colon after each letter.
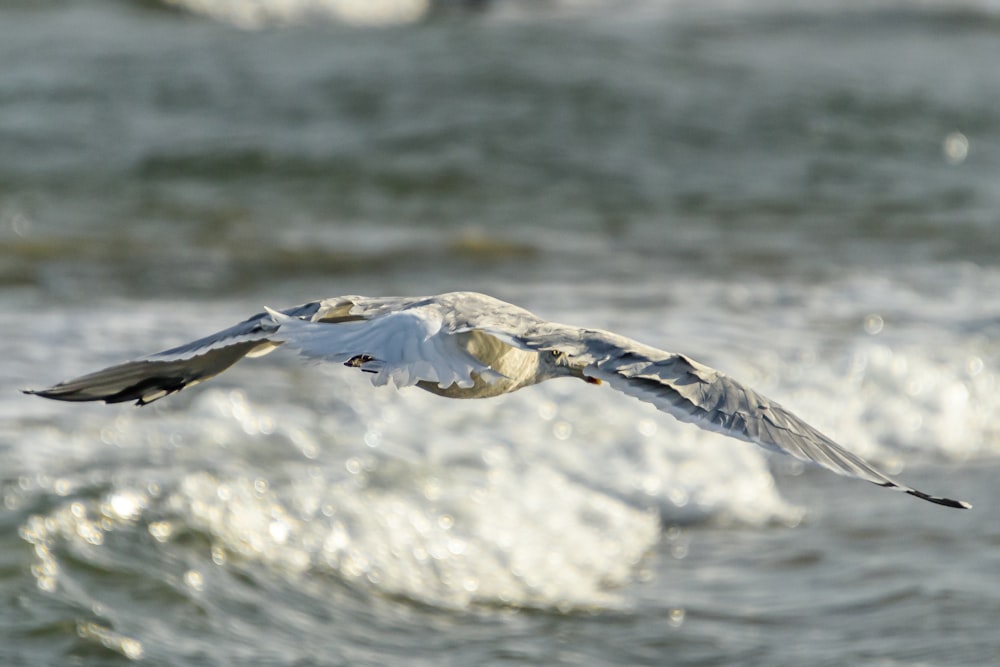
x: 469, y: 345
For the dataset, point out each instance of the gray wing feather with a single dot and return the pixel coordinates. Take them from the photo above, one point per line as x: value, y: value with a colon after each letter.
x: 157, y: 375
x: 146, y: 380
x: 695, y: 393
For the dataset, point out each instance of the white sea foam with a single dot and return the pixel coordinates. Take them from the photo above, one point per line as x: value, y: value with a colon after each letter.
x: 550, y: 497
x: 513, y: 502
x: 519, y: 502
x: 260, y: 13
x: 494, y: 539
x: 254, y: 14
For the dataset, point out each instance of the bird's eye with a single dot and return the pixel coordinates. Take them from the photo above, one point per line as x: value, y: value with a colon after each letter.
x: 555, y: 353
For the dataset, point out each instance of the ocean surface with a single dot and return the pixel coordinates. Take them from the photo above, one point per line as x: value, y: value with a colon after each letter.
x: 804, y: 195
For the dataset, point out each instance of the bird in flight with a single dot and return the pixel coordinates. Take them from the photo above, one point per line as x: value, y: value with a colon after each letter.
x: 469, y: 345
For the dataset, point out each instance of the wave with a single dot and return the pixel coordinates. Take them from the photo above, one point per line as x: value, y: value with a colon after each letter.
x: 261, y: 13
x: 550, y: 498
x: 475, y: 507
x: 255, y: 14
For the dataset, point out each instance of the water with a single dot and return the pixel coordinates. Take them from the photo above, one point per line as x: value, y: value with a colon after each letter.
x: 804, y: 198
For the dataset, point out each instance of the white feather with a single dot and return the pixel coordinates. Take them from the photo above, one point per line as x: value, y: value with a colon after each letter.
x: 408, y: 347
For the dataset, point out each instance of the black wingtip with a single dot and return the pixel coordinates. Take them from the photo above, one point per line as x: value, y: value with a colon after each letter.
x: 143, y: 392
x: 44, y: 393
x: 947, y: 502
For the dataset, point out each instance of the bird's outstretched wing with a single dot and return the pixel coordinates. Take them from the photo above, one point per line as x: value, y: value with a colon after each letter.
x: 157, y: 375
x: 405, y: 340
x: 695, y: 393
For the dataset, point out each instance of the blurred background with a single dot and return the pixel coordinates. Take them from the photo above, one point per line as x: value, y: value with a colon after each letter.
x: 804, y: 196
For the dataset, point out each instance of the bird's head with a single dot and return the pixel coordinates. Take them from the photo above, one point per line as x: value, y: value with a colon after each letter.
x: 556, y: 363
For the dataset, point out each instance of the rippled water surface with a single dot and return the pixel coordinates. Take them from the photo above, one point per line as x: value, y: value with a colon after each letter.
x: 804, y: 198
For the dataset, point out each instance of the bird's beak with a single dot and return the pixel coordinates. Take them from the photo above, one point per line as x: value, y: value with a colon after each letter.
x: 591, y: 380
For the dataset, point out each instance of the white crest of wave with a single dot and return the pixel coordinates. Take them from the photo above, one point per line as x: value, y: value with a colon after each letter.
x: 495, y: 541
x: 452, y: 503
x: 254, y: 14
x: 906, y: 403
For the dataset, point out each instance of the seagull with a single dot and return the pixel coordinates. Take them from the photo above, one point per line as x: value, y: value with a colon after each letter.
x: 470, y: 345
